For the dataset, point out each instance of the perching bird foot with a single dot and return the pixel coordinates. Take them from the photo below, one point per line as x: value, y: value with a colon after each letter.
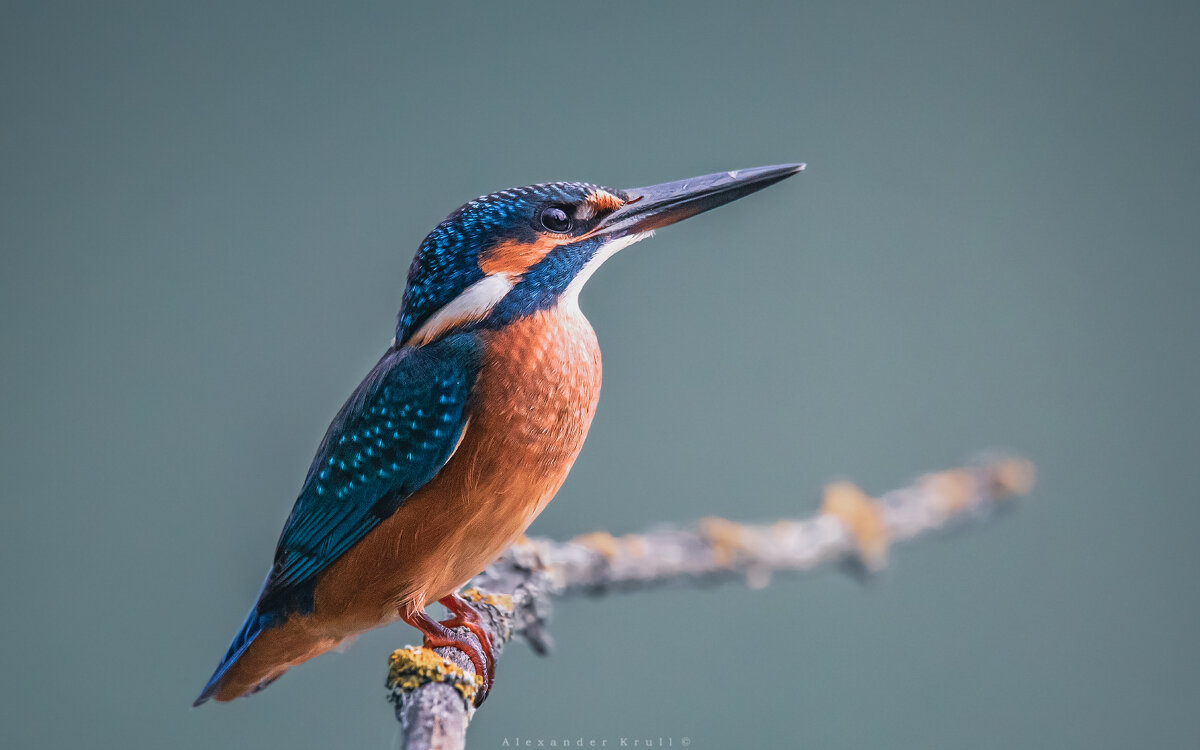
x: 442, y: 635
x: 466, y: 616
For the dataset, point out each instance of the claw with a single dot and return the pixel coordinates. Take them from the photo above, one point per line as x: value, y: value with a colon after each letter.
x: 442, y: 635
x: 466, y: 616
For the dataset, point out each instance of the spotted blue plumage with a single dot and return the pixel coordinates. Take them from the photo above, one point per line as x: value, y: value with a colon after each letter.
x: 391, y: 437
x: 393, y: 434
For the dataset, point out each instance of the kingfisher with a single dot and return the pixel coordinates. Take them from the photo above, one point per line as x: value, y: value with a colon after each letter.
x: 465, y: 429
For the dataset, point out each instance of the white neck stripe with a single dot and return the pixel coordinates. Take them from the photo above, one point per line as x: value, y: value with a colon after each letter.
x: 472, y: 304
x: 571, y: 294
x: 477, y: 301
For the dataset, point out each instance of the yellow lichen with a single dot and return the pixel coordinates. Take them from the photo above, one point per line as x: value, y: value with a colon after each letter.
x: 601, y: 541
x: 783, y: 528
x: 502, y: 602
x: 1013, y: 476
x: 860, y: 515
x: 410, y: 668
x: 635, y: 545
x: 951, y: 490
x: 725, y: 536
x: 630, y: 545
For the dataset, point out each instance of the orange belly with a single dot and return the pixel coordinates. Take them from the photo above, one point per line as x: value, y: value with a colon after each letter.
x: 530, y: 411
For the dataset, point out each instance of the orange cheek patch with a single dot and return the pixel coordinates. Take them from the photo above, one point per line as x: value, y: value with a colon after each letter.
x: 514, y: 257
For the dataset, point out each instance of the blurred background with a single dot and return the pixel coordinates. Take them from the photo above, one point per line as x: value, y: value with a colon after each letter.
x: 208, y: 213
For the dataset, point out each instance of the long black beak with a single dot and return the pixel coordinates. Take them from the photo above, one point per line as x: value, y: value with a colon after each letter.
x: 659, y: 205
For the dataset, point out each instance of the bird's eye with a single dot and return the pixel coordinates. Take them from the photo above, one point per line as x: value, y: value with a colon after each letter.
x: 555, y: 219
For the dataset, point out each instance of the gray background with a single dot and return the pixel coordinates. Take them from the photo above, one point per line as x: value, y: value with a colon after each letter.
x: 207, y: 215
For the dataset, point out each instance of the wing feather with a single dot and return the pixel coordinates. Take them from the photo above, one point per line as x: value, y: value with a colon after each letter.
x: 395, y: 432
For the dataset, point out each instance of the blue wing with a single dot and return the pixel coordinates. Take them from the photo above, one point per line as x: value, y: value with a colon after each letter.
x: 393, y: 435
x: 397, y: 430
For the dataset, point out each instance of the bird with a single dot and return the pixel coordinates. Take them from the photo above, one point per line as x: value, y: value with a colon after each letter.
x: 463, y: 431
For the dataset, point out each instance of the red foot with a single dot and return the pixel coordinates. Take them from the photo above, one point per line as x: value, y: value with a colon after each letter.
x: 441, y: 635
x: 466, y: 616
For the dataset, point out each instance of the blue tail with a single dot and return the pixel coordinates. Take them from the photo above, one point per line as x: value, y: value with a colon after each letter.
x: 253, y: 625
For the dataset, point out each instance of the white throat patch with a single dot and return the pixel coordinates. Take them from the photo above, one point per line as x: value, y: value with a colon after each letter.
x: 571, y: 294
x: 477, y: 301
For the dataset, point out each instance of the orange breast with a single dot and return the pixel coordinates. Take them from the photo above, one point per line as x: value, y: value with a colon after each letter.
x: 531, y: 409
x: 530, y: 412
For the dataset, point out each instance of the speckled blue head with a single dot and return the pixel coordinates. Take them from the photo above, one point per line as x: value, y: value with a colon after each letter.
x: 510, y: 232
x: 517, y: 251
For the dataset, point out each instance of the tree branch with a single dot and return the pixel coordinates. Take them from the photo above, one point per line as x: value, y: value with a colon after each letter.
x: 433, y: 691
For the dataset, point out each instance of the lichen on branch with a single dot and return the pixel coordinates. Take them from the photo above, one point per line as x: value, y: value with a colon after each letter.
x: 433, y: 692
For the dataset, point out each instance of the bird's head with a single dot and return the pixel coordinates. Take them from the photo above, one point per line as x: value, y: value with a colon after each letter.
x: 518, y: 251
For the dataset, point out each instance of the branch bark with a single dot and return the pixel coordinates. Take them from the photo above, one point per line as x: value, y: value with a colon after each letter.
x: 433, y: 691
